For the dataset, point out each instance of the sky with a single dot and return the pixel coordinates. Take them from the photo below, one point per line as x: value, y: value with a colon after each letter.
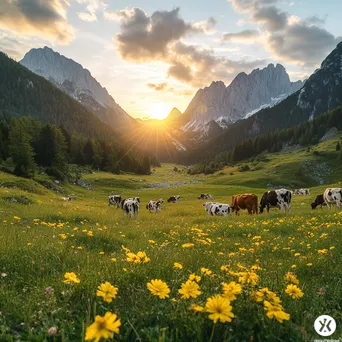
x: 153, y: 55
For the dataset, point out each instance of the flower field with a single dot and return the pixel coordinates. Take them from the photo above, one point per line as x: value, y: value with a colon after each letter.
x: 80, y: 270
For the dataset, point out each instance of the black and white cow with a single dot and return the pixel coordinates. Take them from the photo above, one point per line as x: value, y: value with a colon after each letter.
x: 154, y: 206
x: 206, y: 196
x: 174, y: 199
x: 137, y: 199
x: 131, y: 206
x: 318, y: 201
x: 276, y: 199
x: 333, y: 196
x: 302, y: 192
x: 114, y: 199
x: 218, y: 209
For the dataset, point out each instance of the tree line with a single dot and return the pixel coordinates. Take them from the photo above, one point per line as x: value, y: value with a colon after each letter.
x: 27, y: 144
x: 304, y: 134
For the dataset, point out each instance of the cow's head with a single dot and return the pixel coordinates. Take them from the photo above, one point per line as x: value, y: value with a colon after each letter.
x: 313, y: 205
x: 261, y: 207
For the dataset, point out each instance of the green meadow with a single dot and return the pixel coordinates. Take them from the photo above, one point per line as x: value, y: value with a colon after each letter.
x: 42, y: 237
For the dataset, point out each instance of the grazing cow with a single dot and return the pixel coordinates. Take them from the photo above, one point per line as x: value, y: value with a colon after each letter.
x: 218, y: 209
x: 174, y: 199
x: 245, y: 201
x: 137, y: 199
x: 318, y: 201
x: 207, y: 206
x: 114, y: 199
x: 154, y: 206
x: 302, y: 192
x: 205, y: 196
x: 333, y: 196
x: 276, y: 199
x: 130, y: 206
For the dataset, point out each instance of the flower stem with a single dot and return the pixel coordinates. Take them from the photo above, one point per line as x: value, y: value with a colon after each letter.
x: 212, y: 333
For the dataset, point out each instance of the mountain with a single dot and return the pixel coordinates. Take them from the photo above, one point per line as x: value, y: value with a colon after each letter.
x: 78, y: 83
x: 174, y: 115
x: 242, y: 98
x: 321, y: 92
x: 23, y: 93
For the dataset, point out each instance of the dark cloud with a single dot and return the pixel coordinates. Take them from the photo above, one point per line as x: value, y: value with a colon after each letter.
x: 147, y: 38
x: 159, y: 37
x: 302, y: 43
x: 243, y: 36
x: 46, y: 19
x: 271, y: 17
x: 180, y: 72
x: 290, y: 38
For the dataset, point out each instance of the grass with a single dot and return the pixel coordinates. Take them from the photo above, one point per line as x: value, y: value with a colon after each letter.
x: 35, y: 255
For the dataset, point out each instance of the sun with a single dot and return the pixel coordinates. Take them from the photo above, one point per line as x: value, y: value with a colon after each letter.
x: 159, y: 110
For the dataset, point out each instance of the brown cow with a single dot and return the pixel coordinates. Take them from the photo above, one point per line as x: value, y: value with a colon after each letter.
x: 245, y: 201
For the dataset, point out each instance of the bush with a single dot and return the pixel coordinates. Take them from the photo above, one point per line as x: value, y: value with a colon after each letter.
x: 243, y: 168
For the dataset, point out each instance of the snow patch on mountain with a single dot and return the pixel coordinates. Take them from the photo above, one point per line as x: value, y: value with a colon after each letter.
x: 242, y: 98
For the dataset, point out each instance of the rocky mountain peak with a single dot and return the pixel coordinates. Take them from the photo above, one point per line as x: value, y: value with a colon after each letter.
x: 77, y: 82
x: 242, y: 98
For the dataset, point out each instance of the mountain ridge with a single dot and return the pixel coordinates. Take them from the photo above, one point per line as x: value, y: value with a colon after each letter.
x: 245, y: 94
x: 77, y: 81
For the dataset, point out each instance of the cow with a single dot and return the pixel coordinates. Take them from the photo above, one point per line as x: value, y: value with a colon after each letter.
x: 207, y: 206
x: 218, y: 209
x: 302, y: 192
x: 131, y: 206
x: 333, y: 196
x: 318, y: 201
x: 114, y: 199
x: 137, y: 199
x: 174, y: 199
x: 205, y: 196
x: 154, y: 206
x: 245, y: 201
x: 276, y: 199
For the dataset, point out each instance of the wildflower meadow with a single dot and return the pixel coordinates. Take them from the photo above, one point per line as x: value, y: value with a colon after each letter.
x: 80, y: 270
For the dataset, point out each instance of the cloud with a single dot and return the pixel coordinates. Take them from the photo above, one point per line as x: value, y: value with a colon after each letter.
x: 180, y: 72
x: 158, y: 87
x: 290, y: 38
x: 46, y: 19
x: 271, y: 17
x: 14, y: 46
x: 144, y: 38
x: 164, y: 87
x: 87, y: 16
x: 316, y: 20
x: 92, y: 6
x: 159, y: 37
x: 245, y: 36
x: 302, y: 44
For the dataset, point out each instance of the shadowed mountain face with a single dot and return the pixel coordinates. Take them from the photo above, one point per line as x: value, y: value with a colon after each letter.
x: 242, y: 98
x: 78, y: 83
x: 320, y: 93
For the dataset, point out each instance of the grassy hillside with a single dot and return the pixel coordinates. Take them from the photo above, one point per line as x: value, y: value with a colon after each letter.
x: 302, y: 167
x: 42, y: 237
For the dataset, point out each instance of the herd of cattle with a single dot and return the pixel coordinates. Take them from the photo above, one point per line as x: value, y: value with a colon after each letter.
x: 280, y: 198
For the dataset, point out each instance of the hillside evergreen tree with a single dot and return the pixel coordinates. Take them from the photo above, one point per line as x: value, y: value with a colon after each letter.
x: 338, y: 146
x: 20, y: 149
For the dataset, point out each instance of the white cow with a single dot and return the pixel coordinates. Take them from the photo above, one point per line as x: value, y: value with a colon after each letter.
x: 114, y: 199
x: 333, y: 196
x: 154, y: 206
x: 131, y: 206
x: 218, y: 209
